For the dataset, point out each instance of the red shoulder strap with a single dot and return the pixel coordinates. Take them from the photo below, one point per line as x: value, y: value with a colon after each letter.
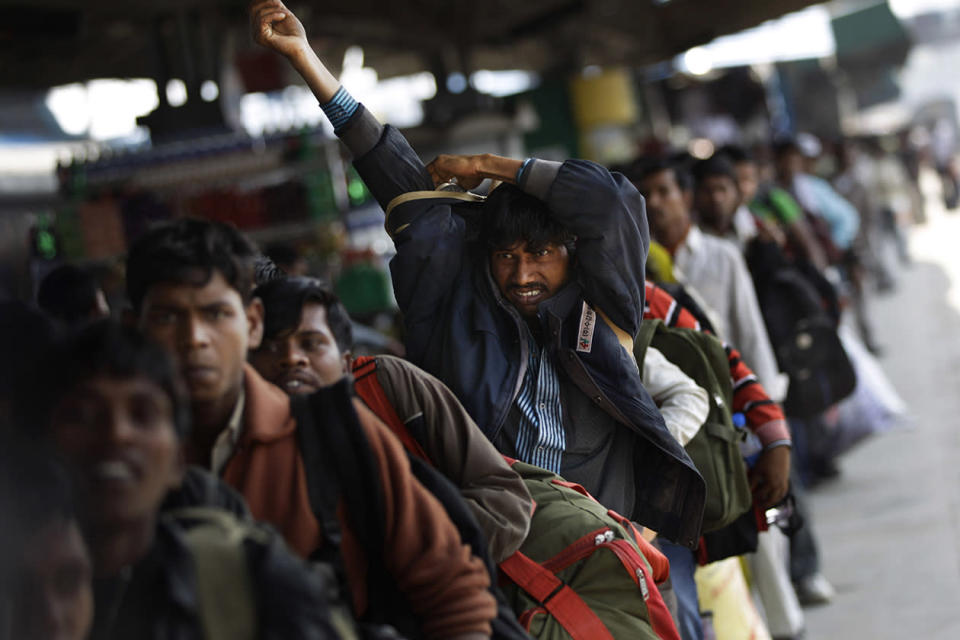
x: 368, y: 388
x: 557, y: 598
x: 658, y: 561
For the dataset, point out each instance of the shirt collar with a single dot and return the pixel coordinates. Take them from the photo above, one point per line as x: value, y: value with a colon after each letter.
x: 694, y: 239
x: 226, y: 442
x: 236, y: 418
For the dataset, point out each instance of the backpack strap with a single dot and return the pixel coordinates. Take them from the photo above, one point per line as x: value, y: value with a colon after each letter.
x: 323, y: 482
x: 557, y: 598
x: 452, y: 197
x: 655, y: 558
x: 368, y: 387
x: 648, y: 329
x: 340, y: 466
x: 228, y: 609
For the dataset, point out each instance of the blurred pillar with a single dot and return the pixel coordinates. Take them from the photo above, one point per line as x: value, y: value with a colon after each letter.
x: 606, y: 112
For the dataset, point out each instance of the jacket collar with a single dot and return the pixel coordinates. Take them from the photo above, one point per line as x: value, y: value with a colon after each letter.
x: 266, y: 416
x: 563, y: 302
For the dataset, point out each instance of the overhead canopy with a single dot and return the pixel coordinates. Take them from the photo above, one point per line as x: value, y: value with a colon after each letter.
x: 54, y: 42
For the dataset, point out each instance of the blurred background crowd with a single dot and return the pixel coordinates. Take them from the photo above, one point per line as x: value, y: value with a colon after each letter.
x: 116, y: 115
x: 834, y: 123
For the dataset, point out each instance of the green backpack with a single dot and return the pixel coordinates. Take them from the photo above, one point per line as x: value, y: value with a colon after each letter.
x: 582, y: 574
x: 715, y: 450
x: 218, y: 542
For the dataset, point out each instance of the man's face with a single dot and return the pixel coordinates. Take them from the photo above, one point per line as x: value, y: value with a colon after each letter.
x: 207, y: 329
x: 526, y: 277
x: 668, y: 207
x: 789, y: 163
x: 748, y: 180
x: 118, y: 438
x: 717, y: 199
x: 53, y: 594
x: 306, y: 357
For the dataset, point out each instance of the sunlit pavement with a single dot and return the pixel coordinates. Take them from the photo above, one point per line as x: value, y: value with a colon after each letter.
x: 889, y: 527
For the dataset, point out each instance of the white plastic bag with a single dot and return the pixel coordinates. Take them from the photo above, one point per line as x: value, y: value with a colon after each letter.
x: 873, y: 407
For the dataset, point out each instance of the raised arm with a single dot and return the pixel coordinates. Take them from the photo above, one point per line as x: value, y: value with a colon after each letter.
x: 275, y: 27
x: 428, y: 237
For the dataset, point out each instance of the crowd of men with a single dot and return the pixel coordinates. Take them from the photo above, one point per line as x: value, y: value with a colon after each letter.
x: 219, y: 464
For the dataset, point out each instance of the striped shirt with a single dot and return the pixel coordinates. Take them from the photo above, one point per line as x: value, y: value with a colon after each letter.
x: 541, y: 439
x: 340, y: 108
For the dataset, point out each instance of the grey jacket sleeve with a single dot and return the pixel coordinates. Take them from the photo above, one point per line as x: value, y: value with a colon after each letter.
x: 497, y: 496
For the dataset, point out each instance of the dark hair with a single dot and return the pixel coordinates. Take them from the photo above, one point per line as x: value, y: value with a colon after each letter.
x: 283, y: 302
x: 34, y: 491
x: 652, y: 166
x: 510, y: 216
x: 282, y: 253
x: 265, y: 270
x: 736, y: 154
x: 715, y: 166
x: 188, y: 251
x: 68, y: 293
x: 104, y: 348
x: 34, y: 488
x: 25, y: 331
x: 783, y: 145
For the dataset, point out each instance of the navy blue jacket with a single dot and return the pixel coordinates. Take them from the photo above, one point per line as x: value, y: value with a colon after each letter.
x: 460, y: 329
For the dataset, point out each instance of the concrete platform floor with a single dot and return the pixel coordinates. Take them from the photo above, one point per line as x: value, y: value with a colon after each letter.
x: 889, y: 527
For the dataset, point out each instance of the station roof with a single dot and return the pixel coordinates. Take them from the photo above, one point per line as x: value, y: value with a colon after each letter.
x: 53, y: 42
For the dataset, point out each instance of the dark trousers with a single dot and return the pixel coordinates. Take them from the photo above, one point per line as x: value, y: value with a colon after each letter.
x: 804, y: 551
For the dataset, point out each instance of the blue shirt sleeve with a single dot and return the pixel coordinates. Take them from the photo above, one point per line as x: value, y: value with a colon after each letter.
x: 340, y: 108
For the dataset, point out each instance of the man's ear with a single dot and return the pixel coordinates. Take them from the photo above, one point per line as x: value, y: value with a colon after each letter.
x: 347, y: 360
x: 688, y: 199
x: 254, y: 313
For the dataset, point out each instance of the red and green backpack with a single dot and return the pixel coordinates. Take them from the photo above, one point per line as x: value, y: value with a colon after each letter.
x: 584, y: 572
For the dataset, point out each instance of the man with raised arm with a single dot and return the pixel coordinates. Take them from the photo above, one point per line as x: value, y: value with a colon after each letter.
x: 526, y: 306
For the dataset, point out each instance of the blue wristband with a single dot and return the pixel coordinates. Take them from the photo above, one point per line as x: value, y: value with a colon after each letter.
x: 522, y: 169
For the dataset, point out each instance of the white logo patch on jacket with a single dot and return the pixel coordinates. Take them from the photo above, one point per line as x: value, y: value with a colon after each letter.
x: 588, y: 322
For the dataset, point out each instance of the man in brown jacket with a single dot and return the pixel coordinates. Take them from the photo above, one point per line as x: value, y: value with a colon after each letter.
x: 308, y: 343
x: 190, y: 283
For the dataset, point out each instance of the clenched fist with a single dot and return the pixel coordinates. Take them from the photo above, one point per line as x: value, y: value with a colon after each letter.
x: 275, y: 27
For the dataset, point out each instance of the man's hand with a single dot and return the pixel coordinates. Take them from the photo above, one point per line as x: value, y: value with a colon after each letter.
x: 470, y: 171
x: 770, y: 477
x: 275, y: 27
x: 466, y: 170
x: 769, y: 232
